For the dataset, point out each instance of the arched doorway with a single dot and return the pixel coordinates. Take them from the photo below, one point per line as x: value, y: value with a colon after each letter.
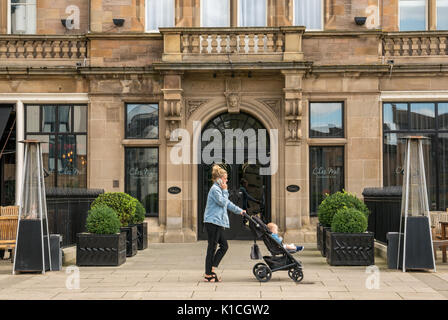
x: 240, y: 157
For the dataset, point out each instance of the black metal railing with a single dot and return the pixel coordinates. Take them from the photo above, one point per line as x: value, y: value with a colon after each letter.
x: 67, y: 211
x: 385, y: 210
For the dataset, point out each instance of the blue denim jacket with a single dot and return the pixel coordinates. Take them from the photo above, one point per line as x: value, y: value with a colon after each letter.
x: 217, y: 205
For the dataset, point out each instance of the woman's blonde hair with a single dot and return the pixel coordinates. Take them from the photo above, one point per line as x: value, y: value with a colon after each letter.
x: 218, y: 172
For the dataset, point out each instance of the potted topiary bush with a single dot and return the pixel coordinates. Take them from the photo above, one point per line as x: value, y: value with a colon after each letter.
x: 348, y: 243
x: 125, y: 206
x: 104, y: 244
x: 142, y: 227
x: 328, y: 208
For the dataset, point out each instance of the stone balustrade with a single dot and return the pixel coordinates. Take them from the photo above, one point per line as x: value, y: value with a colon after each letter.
x: 237, y: 44
x: 39, y: 49
x: 415, y: 44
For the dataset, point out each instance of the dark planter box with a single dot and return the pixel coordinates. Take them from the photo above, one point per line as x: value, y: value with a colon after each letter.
x: 142, y: 236
x: 100, y: 249
x: 350, y: 249
x: 29, y: 247
x: 321, y: 239
x: 131, y: 240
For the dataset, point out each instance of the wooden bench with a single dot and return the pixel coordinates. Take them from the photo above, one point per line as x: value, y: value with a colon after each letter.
x: 9, y: 211
x: 8, y: 232
x: 8, y: 228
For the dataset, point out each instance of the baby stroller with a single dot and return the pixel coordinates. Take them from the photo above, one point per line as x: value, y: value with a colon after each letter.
x: 281, y: 258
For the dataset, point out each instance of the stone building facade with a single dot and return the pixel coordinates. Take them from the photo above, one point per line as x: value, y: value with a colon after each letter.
x: 279, y: 76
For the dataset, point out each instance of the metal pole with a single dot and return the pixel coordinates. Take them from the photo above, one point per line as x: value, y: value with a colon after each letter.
x: 45, y: 205
x: 39, y: 192
x: 406, y: 203
x: 20, y: 204
x: 425, y: 199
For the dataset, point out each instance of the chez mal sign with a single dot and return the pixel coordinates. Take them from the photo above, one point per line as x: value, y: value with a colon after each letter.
x: 323, y: 172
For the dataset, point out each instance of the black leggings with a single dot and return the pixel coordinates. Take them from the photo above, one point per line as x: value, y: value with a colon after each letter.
x: 215, y: 236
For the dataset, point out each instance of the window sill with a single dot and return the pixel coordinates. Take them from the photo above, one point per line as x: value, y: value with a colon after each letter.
x: 140, y: 142
x: 326, y: 141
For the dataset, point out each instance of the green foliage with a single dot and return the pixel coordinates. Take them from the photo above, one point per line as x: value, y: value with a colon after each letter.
x: 339, y: 200
x: 123, y: 204
x: 103, y: 220
x: 140, y: 212
x: 349, y: 220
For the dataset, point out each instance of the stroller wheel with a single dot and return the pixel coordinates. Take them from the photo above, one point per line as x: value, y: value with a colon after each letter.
x: 295, y: 274
x: 262, y: 272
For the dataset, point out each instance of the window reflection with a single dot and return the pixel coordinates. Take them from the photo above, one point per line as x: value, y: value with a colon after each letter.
x: 423, y: 116
x: 412, y: 15
x: 64, y: 152
x: 142, y: 121
x: 142, y: 165
x: 326, y: 173
x: 442, y: 14
x: 326, y: 120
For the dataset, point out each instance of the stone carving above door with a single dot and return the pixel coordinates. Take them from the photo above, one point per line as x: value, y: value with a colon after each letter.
x: 192, y: 105
x: 273, y: 104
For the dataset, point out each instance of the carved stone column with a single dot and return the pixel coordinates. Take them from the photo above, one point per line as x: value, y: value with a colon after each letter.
x: 294, y: 159
x: 172, y: 112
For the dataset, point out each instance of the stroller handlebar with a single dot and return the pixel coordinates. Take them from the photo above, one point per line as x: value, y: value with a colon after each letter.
x: 247, y: 216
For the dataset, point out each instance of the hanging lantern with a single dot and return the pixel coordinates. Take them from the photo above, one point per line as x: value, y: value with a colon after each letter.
x: 31, y: 252
x: 415, y: 241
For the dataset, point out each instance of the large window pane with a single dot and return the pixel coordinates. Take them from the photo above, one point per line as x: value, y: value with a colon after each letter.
x: 326, y: 173
x: 395, y: 116
x: 252, y: 13
x: 65, y: 119
x: 64, y: 153
x: 215, y: 13
x: 159, y: 14
x: 423, y: 116
x: 142, y: 121
x: 49, y: 119
x: 442, y: 14
x: 23, y: 16
x: 308, y: 13
x: 326, y: 120
x: 80, y: 118
x: 443, y: 116
x: 142, y: 166
x: 32, y: 118
x: 412, y: 15
x: 393, y: 162
x: 443, y: 171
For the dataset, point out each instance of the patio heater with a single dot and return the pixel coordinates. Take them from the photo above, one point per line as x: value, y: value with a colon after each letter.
x: 415, y: 240
x: 32, y: 252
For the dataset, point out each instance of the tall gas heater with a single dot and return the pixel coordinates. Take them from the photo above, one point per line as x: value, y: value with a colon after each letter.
x: 32, y: 252
x: 415, y: 241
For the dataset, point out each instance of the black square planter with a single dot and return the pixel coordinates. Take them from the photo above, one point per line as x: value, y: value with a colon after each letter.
x: 321, y: 239
x: 350, y: 249
x: 142, y: 236
x: 100, y: 249
x: 131, y: 240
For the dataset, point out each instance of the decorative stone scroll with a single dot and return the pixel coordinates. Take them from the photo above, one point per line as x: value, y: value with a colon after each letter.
x: 293, y: 105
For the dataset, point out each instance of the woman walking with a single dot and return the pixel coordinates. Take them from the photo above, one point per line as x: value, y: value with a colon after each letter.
x: 216, y: 220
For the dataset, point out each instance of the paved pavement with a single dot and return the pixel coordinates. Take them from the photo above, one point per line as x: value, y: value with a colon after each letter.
x: 174, y: 271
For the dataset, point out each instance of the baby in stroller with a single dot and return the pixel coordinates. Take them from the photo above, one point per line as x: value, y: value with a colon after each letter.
x: 281, y: 259
x: 274, y: 229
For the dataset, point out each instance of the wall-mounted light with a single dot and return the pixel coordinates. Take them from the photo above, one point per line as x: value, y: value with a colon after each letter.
x: 118, y: 22
x: 360, y: 20
x: 64, y: 22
